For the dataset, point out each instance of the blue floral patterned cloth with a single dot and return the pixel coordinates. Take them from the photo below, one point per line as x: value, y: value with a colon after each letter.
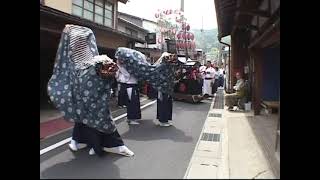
x: 75, y: 88
x: 160, y: 77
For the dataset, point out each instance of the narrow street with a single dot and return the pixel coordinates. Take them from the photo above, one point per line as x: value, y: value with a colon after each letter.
x: 160, y: 152
x: 218, y: 59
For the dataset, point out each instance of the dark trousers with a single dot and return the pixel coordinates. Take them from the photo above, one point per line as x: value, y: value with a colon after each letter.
x: 164, y: 108
x: 215, y: 86
x: 122, y: 96
x: 114, y: 87
x: 221, y: 81
x: 151, y: 92
x: 133, y: 105
x: 95, y: 139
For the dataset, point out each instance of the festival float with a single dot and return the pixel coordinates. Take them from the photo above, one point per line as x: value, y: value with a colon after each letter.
x: 174, y: 29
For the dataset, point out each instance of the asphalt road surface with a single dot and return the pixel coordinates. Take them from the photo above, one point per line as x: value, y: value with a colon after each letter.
x: 160, y: 152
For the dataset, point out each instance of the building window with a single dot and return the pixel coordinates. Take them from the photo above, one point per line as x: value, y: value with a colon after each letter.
x: 77, y: 2
x: 98, y: 11
x: 108, y: 14
x: 76, y: 10
x: 88, y: 5
x: 98, y: 19
x: 88, y: 15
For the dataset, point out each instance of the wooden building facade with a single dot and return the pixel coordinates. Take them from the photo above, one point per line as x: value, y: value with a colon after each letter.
x: 53, y: 20
x: 254, y: 26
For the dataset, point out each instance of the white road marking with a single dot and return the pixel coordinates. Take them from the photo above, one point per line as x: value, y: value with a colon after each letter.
x: 47, y: 149
x: 65, y: 141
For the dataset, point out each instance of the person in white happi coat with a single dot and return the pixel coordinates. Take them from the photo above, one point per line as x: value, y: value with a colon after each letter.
x: 202, y: 70
x: 208, y: 79
x: 131, y: 93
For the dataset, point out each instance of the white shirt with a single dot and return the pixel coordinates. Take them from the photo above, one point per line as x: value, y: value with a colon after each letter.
x: 132, y: 80
x: 123, y: 76
x: 221, y: 71
x: 202, y: 69
x: 210, y: 72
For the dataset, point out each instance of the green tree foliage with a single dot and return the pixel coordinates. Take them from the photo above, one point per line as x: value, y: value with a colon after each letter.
x: 207, y: 40
x: 214, y: 52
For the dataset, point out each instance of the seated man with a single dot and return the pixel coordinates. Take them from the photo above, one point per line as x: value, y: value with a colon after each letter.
x: 231, y: 99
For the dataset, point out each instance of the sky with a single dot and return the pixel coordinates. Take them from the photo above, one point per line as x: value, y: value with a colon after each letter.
x: 194, y: 10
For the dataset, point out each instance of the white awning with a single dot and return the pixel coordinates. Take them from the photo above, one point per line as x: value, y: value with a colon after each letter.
x: 183, y: 59
x: 191, y: 63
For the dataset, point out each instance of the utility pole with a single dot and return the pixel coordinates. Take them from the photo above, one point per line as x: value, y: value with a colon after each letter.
x: 182, y: 5
x: 185, y: 29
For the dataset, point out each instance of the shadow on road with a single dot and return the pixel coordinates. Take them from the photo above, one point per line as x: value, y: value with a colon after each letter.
x: 83, y: 166
x: 148, y: 131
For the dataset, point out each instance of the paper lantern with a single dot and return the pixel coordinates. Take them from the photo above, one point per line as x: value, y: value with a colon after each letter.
x: 188, y: 27
x: 179, y: 35
x: 188, y: 36
x: 183, y: 35
x: 191, y: 36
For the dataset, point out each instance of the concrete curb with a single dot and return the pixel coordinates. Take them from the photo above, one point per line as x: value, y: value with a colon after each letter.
x: 210, y: 157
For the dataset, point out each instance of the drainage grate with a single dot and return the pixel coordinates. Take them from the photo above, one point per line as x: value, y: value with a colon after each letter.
x: 219, y: 100
x: 215, y: 115
x: 210, y: 137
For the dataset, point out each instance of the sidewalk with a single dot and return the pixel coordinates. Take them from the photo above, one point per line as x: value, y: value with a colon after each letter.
x: 52, y: 122
x: 228, y: 147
